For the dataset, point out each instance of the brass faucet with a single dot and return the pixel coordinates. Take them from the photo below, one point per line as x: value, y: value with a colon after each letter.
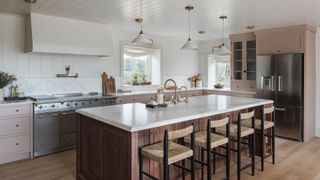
x: 186, y: 99
x: 175, y: 98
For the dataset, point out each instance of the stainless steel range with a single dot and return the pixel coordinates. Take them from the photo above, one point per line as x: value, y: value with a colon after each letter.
x: 55, y: 119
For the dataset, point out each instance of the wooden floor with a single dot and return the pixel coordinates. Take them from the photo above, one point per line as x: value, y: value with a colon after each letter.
x: 294, y: 161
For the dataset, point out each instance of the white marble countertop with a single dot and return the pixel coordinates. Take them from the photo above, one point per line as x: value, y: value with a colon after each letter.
x: 119, y: 94
x: 136, y: 117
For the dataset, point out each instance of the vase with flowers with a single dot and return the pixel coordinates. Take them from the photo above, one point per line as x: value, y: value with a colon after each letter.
x: 5, y: 80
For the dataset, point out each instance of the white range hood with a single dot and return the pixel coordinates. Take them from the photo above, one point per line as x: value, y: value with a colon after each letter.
x: 49, y: 34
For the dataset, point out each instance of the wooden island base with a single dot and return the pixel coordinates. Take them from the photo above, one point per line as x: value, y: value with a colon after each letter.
x: 107, y: 152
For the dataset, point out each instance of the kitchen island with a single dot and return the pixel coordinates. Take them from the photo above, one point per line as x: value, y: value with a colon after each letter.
x: 108, y: 137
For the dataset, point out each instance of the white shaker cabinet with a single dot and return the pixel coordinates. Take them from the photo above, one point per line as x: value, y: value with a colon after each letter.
x: 15, y: 131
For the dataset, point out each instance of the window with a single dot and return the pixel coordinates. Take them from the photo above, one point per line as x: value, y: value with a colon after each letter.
x: 140, y: 66
x: 219, y: 70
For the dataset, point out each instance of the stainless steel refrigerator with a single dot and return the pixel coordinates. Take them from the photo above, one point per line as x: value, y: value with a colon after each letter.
x: 280, y: 78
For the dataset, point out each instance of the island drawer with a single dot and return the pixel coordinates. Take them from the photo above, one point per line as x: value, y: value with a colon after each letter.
x: 14, y: 145
x: 15, y: 110
x: 15, y: 125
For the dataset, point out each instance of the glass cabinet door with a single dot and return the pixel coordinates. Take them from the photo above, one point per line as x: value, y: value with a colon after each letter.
x: 251, y: 60
x: 237, y: 60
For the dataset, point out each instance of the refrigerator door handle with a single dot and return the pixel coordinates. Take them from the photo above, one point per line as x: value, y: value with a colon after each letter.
x: 280, y: 109
x: 272, y: 83
x: 262, y: 82
x: 279, y: 83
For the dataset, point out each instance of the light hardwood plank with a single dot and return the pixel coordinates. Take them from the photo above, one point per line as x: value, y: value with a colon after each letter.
x: 294, y: 161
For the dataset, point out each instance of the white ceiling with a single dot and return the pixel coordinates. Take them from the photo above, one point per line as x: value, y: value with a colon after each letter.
x: 168, y: 17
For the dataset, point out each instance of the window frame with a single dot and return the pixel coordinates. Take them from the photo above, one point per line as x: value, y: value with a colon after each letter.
x: 215, y: 58
x: 122, y: 66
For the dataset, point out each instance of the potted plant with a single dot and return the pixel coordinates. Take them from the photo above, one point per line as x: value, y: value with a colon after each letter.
x: 5, y: 80
x: 135, y: 78
x: 219, y: 85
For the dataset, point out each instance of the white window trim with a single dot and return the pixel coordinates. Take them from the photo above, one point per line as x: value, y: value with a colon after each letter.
x: 140, y: 87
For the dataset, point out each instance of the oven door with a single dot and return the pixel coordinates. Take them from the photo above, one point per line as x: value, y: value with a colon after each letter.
x: 46, y: 133
x: 68, y: 130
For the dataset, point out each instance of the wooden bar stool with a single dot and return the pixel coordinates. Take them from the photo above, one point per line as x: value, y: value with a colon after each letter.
x: 265, y: 125
x: 209, y: 141
x: 237, y: 134
x: 169, y: 152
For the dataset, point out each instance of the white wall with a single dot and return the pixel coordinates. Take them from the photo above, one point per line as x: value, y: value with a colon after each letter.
x: 318, y: 84
x: 36, y: 72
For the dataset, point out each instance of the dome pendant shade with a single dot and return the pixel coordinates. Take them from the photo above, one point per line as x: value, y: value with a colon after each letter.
x: 141, y: 39
x: 223, y: 51
x: 190, y: 45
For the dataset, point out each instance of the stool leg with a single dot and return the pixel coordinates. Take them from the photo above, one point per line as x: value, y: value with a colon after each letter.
x: 249, y: 147
x: 273, y: 146
x: 192, y: 168
x: 239, y: 158
x: 183, y: 173
x: 253, y: 155
x: 262, y: 150
x: 140, y: 165
x: 202, y: 161
x: 228, y: 161
x: 214, y: 161
x: 165, y: 171
x: 209, y: 163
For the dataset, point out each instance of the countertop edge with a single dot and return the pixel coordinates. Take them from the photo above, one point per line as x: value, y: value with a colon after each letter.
x: 168, y: 121
x: 14, y: 103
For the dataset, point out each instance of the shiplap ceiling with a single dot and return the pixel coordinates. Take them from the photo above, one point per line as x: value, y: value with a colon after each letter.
x: 168, y: 17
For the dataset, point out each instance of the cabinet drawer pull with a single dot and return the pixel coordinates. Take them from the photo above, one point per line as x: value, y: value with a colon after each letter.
x: 17, y: 144
x: 17, y: 110
x: 17, y: 125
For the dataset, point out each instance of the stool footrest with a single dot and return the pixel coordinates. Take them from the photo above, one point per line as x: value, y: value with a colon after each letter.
x: 181, y: 167
x: 149, y: 175
x: 246, y: 166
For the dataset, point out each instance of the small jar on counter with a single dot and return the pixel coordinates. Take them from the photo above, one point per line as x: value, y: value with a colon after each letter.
x: 160, y: 96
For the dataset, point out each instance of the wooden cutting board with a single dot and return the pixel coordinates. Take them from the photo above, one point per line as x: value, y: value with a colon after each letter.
x: 108, y: 84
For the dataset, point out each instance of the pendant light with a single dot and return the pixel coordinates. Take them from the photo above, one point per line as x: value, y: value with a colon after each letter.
x: 141, y: 40
x: 221, y: 49
x: 189, y: 44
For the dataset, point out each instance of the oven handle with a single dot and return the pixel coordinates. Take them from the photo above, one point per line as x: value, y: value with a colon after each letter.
x: 67, y: 113
x: 47, y: 115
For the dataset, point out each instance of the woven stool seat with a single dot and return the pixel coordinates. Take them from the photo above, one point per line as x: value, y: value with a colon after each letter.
x: 201, y: 139
x: 176, y: 152
x: 245, y: 131
x: 248, y: 123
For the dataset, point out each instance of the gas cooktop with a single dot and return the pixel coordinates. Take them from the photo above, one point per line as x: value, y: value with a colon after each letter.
x: 70, y: 101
